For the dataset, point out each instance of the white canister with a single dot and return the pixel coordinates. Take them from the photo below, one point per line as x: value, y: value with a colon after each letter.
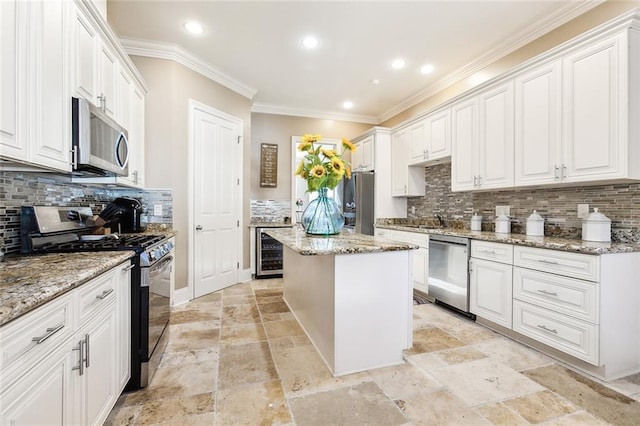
x: 476, y: 222
x: 503, y: 224
x: 596, y: 227
x: 535, y: 225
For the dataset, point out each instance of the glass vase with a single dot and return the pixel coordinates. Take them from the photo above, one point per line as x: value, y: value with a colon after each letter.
x: 322, y: 216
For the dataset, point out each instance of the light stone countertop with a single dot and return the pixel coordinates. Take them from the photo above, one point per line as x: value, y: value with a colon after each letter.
x: 27, y: 282
x: 347, y: 242
x: 552, y: 243
x: 270, y: 225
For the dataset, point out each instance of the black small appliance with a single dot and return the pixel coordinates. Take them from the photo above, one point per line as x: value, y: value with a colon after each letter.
x: 128, y: 217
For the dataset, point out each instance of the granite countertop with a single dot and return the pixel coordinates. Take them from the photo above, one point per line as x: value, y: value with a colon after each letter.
x: 270, y: 225
x: 27, y: 282
x: 552, y: 243
x: 347, y: 242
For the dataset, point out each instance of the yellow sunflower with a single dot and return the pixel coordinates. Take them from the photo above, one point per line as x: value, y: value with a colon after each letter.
x: 346, y: 143
x: 309, y: 138
x: 317, y: 171
x: 347, y: 172
x: 300, y: 169
x: 338, y: 166
x: 304, y: 146
x: 329, y: 153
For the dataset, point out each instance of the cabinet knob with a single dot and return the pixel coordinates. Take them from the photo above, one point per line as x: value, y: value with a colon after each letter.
x: 198, y: 227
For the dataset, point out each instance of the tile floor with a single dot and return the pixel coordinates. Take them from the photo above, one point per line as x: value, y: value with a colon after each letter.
x: 238, y: 357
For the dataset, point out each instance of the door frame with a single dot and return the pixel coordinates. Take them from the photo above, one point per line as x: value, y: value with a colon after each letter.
x: 189, y: 291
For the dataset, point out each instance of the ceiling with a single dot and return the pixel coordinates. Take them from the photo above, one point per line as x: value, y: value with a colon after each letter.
x: 255, y: 47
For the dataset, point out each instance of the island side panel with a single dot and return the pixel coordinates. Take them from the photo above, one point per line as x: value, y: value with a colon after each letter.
x: 373, y: 310
x: 309, y: 293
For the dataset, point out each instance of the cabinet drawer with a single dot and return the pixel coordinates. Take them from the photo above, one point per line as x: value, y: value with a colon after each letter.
x: 572, y: 336
x: 576, y: 265
x: 96, y: 295
x: 576, y: 298
x: 32, y: 336
x: 496, y: 252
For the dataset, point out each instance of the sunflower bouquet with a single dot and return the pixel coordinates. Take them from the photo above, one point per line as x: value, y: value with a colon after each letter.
x: 322, y: 167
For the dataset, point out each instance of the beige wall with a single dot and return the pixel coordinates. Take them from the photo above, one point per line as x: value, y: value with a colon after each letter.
x: 575, y: 27
x: 171, y: 85
x: 278, y: 129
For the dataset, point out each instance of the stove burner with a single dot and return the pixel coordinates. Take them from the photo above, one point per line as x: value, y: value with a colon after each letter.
x: 137, y: 243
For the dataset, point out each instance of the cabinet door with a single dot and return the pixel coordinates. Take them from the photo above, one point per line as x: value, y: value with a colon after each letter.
x: 43, y: 394
x: 438, y: 134
x: 85, y: 58
x: 496, y: 137
x: 595, y: 101
x: 123, y: 320
x: 125, y: 88
x: 108, y: 79
x: 537, y: 121
x: 399, y: 162
x: 464, y: 145
x: 136, y: 137
x: 491, y: 291
x: 51, y: 105
x: 13, y: 79
x: 97, y: 386
x: 420, y: 269
x: 368, y: 152
x: 357, y: 157
x: 418, y: 142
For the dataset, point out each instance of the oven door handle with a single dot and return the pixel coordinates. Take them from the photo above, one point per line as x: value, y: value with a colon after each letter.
x: 159, y: 268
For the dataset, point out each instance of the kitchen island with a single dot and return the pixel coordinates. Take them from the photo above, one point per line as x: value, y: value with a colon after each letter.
x: 352, y: 295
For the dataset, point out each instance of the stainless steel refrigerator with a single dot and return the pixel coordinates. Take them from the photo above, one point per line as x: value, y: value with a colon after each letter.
x: 358, y: 202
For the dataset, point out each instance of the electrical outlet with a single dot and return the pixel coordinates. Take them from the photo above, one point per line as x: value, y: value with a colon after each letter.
x: 583, y: 211
x: 157, y: 210
x: 505, y: 210
x: 413, y: 209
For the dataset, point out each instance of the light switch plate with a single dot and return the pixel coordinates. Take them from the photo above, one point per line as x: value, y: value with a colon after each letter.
x: 506, y: 210
x: 157, y: 210
x: 583, y: 211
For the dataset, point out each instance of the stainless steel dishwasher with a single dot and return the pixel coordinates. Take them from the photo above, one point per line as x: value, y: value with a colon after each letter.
x: 449, y: 271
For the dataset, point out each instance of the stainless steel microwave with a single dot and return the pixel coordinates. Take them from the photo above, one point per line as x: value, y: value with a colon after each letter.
x: 100, y: 145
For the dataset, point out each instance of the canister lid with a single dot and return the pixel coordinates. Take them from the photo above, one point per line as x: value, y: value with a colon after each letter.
x: 502, y: 218
x: 535, y: 217
x: 476, y: 216
x: 596, y: 216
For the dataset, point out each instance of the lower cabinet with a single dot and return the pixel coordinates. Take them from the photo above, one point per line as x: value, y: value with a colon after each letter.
x: 65, y: 363
x: 420, y: 270
x: 491, y: 291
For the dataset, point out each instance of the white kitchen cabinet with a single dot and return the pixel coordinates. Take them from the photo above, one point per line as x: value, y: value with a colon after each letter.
x: 538, y: 132
x: 464, y: 145
x: 420, y: 257
x: 363, y: 158
x: 85, y: 44
x: 430, y: 138
x: 79, y: 364
x: 36, y: 128
x: 417, y: 133
x: 108, y: 80
x: 407, y: 181
x: 491, y: 282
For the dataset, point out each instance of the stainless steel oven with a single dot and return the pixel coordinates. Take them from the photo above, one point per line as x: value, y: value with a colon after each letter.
x: 449, y: 271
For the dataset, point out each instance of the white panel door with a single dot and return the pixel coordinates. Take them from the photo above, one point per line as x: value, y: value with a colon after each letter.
x: 594, y: 84
x: 85, y: 58
x: 438, y: 132
x: 108, y: 79
x: 464, y: 145
x: 538, y: 135
x: 368, y: 152
x: 491, y: 291
x: 418, y: 142
x: 496, y: 137
x: 399, y: 158
x: 216, y: 215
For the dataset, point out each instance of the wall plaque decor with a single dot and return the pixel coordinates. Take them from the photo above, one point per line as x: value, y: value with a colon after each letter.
x: 268, y: 165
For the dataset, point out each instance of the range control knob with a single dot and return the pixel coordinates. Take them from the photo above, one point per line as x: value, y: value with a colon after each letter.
x: 152, y: 255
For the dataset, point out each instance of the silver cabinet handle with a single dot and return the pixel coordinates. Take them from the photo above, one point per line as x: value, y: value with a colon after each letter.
x: 487, y: 251
x: 479, y: 181
x: 550, y: 293
x: 198, y: 227
x: 550, y: 330
x: 555, y: 172
x: 104, y: 294
x: 128, y: 268
x: 86, y: 353
x: 550, y: 262
x: 475, y: 178
x: 564, y: 171
x: 50, y: 332
x: 80, y: 366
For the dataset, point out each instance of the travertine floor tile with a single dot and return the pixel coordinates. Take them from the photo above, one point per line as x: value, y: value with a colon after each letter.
x: 190, y: 336
x: 122, y: 414
x: 499, y: 414
x: 240, y: 314
x: 209, y: 298
x: 581, y: 418
x: 402, y: 381
x: 245, y: 364
x: 274, y: 307
x: 513, y: 354
x: 276, y: 329
x: 207, y: 355
x: 459, y: 355
x: 431, y: 340
x: 240, y: 299
x: 245, y: 333
x: 185, y: 379
x: 175, y: 409
x: 484, y: 381
x: 254, y: 404
x: 541, y: 406
x: 439, y: 408
x: 238, y: 289
x: 268, y: 292
x: 356, y: 405
x: 203, y: 312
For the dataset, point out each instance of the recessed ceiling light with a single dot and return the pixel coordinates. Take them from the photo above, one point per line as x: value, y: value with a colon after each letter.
x: 375, y: 82
x: 347, y: 105
x: 398, y: 64
x: 193, y: 27
x: 310, y: 42
x: 427, y: 69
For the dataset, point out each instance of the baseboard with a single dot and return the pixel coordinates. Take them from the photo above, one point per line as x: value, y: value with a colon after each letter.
x: 181, y: 296
x: 244, y: 276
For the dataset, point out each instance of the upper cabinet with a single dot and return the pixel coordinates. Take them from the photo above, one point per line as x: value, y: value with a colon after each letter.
x: 430, y: 138
x: 363, y: 158
x: 482, y: 140
x: 52, y: 51
x: 35, y: 122
x: 406, y: 180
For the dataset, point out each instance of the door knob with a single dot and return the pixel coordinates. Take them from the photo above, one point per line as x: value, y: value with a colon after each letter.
x: 198, y: 227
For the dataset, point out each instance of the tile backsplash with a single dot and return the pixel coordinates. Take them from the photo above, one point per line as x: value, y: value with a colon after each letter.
x: 559, y: 206
x: 269, y: 210
x: 18, y: 189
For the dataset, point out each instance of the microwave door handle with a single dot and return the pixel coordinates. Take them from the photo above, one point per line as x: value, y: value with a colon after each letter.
x: 122, y: 138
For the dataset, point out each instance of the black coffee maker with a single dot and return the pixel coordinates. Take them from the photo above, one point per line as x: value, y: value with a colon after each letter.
x: 124, y: 215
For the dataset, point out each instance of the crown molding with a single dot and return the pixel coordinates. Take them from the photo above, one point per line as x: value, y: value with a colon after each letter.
x: 299, y: 112
x: 174, y: 52
x: 561, y: 16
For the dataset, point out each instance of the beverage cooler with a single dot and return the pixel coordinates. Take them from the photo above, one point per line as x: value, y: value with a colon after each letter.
x: 268, y: 255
